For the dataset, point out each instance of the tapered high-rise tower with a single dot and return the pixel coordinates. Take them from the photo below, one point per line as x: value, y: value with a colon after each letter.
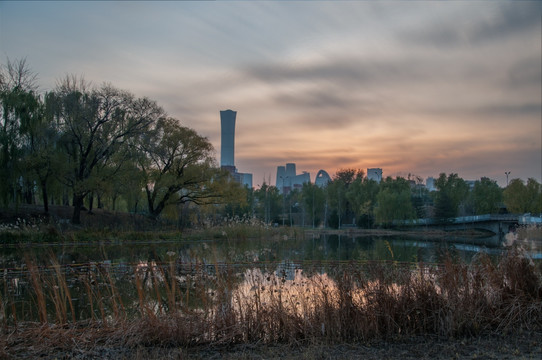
x: 227, y: 142
x: 227, y: 147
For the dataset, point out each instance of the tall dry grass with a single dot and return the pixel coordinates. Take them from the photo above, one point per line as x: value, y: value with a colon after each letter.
x: 177, y: 304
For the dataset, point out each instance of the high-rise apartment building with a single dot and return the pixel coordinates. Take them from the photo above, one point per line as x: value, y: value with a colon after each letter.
x: 374, y: 174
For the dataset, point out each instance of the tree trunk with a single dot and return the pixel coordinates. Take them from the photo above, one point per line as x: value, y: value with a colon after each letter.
x: 90, y: 202
x: 154, y: 213
x: 28, y: 193
x: 77, y: 205
x: 45, y: 197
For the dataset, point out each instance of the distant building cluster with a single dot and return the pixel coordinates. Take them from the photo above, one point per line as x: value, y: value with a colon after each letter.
x: 287, y: 177
x: 288, y: 180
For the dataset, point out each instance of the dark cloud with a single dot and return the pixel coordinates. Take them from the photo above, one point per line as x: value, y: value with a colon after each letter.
x: 439, y: 35
x: 344, y: 91
x: 526, y: 72
x: 324, y: 108
x: 496, y: 111
x: 316, y: 98
x: 527, y: 109
x: 508, y: 19
x: 339, y: 71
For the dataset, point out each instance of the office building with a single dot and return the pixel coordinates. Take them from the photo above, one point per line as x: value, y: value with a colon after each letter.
x: 227, y: 144
x: 322, y: 179
x: 288, y: 180
x: 227, y: 147
x: 374, y: 174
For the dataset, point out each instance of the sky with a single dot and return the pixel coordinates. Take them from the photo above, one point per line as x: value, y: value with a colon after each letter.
x: 420, y: 87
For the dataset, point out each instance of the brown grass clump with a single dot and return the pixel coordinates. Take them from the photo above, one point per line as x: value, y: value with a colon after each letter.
x: 183, y: 305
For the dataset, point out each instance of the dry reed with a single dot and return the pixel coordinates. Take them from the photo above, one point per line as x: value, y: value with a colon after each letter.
x: 177, y: 304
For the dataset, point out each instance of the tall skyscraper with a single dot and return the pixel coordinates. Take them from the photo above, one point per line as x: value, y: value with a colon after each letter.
x: 227, y: 143
x: 227, y: 147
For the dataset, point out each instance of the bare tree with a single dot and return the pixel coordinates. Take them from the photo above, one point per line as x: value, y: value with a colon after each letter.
x: 18, y: 75
x: 96, y: 125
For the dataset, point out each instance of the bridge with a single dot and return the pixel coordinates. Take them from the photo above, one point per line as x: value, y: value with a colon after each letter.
x: 498, y: 224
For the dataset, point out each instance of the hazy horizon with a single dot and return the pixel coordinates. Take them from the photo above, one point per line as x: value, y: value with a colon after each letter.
x: 409, y: 87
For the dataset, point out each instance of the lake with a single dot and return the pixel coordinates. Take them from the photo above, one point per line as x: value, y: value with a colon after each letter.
x: 97, y: 280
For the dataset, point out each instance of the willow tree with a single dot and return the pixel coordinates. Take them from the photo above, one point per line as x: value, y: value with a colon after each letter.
x: 394, y: 202
x: 96, y: 125
x: 523, y: 198
x: 19, y: 105
x: 452, y: 191
x: 42, y: 157
x: 178, y: 166
x: 486, y: 196
x: 362, y: 196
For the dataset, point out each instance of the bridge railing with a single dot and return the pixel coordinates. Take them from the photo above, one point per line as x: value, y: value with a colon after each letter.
x: 473, y: 218
x: 526, y: 219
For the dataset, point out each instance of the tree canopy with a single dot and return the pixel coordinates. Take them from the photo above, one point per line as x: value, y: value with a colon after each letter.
x: 79, y: 142
x: 89, y: 139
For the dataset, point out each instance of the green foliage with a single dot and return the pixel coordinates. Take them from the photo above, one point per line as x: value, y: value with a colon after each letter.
x: 348, y: 176
x: 336, y: 198
x: 362, y: 196
x: 486, y: 196
x: 521, y: 198
x: 314, y: 202
x: 268, y: 203
x: 177, y: 166
x: 97, y: 127
x: 452, y: 190
x: 333, y: 221
x: 101, y: 143
x: 19, y: 111
x: 394, y: 201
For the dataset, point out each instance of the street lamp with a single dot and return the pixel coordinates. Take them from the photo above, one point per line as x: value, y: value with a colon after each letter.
x: 507, y: 173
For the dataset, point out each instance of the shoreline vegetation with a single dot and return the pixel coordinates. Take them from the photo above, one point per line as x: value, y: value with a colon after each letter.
x: 487, y: 308
x: 30, y: 223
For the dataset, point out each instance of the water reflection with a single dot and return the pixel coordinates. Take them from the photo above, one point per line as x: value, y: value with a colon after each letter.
x: 314, y: 248
x: 105, y: 278
x: 293, y: 292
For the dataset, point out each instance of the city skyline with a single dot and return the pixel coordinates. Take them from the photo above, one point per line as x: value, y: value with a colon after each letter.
x: 414, y: 87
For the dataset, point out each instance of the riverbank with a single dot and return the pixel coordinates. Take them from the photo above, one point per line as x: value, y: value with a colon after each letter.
x: 354, y: 310
x: 64, y: 343
x: 488, y: 308
x: 56, y: 224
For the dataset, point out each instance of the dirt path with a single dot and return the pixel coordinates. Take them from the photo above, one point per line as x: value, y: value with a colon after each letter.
x: 514, y: 346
